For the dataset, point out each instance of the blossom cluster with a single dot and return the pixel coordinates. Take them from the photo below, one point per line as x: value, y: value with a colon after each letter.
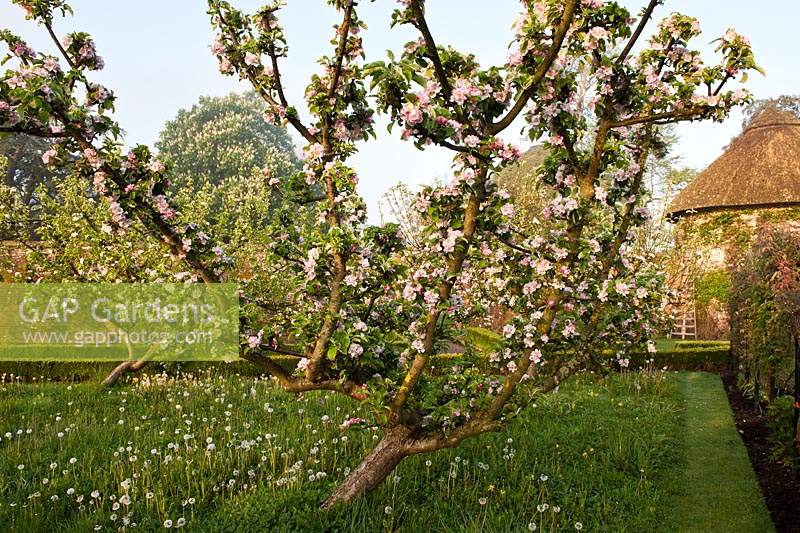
x: 41, y: 98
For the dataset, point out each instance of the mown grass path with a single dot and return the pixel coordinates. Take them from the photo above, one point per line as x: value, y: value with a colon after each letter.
x: 717, y: 489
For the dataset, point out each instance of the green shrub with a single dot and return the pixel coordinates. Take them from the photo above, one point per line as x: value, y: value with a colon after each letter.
x: 763, y: 305
x: 712, y: 286
x: 782, y: 431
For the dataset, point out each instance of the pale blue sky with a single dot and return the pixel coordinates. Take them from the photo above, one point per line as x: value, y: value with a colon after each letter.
x: 158, y: 61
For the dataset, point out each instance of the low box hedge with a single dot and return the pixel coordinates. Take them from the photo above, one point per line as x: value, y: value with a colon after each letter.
x: 708, y: 357
x: 693, y: 345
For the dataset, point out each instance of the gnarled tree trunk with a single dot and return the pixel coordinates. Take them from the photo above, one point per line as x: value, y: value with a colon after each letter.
x: 374, y: 468
x: 133, y: 365
x: 122, y: 369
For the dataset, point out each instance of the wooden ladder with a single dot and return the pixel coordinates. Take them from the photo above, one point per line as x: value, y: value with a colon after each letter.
x: 686, y: 325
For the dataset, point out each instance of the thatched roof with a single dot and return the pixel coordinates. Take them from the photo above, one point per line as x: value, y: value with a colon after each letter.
x: 760, y: 168
x: 524, y: 170
x: 521, y: 181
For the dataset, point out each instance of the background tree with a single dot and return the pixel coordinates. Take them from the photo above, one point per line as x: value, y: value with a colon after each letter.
x: 397, y: 205
x: 26, y: 173
x: 362, y: 320
x: 225, y: 138
x: 77, y: 240
x: 224, y: 158
x: 11, y: 209
x: 785, y: 102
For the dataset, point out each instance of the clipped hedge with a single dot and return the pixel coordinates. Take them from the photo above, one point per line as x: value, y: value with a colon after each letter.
x: 692, y: 345
x: 482, y: 339
x: 694, y: 355
x: 708, y: 358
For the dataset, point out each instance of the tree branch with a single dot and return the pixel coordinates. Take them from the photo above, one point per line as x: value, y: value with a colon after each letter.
x: 341, y: 50
x: 312, y: 200
x: 45, y: 134
x: 418, y: 9
x: 276, y: 74
x: 454, y: 267
x: 722, y: 83
x: 515, y: 246
x: 671, y: 116
x: 291, y: 384
x: 58, y: 44
x: 558, y: 40
x: 647, y: 14
x: 293, y: 120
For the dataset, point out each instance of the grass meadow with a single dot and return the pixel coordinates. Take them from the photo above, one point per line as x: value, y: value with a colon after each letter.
x: 214, y: 453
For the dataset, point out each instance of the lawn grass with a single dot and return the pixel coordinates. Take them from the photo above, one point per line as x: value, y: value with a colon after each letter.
x: 717, y: 491
x: 595, y: 455
x: 665, y: 345
x: 637, y: 452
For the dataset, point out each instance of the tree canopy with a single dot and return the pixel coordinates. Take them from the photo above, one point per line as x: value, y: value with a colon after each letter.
x: 224, y: 138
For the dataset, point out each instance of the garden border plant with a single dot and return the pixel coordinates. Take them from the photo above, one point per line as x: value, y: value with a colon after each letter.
x: 363, y: 317
x: 765, y: 325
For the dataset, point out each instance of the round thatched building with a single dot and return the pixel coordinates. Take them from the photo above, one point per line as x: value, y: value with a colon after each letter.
x: 755, y: 182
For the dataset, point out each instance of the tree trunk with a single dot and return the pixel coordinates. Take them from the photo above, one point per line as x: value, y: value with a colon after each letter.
x: 797, y: 435
x: 733, y: 360
x: 374, y: 468
x: 123, y: 368
x: 757, y: 391
x: 772, y: 387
